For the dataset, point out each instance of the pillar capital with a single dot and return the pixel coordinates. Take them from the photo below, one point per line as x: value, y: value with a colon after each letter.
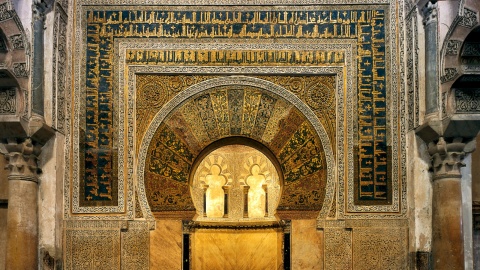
x: 430, y: 12
x: 447, y: 156
x: 23, y: 159
x: 40, y: 8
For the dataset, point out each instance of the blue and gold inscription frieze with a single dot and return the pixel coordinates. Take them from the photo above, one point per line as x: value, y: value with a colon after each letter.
x: 234, y: 57
x: 366, y: 26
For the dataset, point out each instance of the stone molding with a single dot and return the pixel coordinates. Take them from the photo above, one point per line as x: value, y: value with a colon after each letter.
x: 447, y: 156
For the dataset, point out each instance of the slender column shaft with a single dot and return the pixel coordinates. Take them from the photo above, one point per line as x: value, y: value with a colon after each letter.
x: 38, y: 61
x: 431, y: 61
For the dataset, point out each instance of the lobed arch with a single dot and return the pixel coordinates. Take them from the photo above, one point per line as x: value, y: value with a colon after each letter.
x: 242, y: 81
x: 14, y: 58
x: 465, y: 23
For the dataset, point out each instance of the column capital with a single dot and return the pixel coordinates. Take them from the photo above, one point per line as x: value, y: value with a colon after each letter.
x: 40, y: 8
x: 448, y: 154
x: 430, y: 12
x: 23, y: 159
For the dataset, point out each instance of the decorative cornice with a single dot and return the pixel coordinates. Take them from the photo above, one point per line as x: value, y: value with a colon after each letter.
x: 189, y: 225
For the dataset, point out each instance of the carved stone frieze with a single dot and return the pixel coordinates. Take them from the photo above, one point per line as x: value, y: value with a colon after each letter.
x: 469, y: 18
x: 412, y: 70
x: 17, y: 42
x: 63, y: 4
x: 59, y: 70
x: 20, y: 70
x: 467, y: 101
x: 135, y: 246
x: 91, y: 248
x: 8, y: 101
x: 5, y: 13
x: 453, y: 47
x: 374, y: 248
x: 447, y: 156
x: 444, y: 104
x: 450, y: 74
x: 338, y: 248
x: 409, y: 5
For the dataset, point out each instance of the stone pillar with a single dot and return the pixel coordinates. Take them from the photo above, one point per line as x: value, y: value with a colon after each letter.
x: 431, y: 58
x: 447, y: 239
x: 22, y: 215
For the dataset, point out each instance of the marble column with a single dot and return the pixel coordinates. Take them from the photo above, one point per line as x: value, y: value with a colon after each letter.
x: 39, y: 9
x: 447, y: 239
x: 22, y: 215
x: 431, y: 59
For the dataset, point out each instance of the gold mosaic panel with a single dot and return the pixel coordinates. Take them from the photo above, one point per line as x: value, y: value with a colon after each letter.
x: 235, y: 110
x: 153, y: 91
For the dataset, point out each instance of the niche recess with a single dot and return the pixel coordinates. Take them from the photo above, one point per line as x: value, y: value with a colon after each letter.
x: 235, y: 183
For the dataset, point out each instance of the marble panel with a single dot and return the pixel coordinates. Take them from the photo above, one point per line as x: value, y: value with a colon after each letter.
x: 307, y: 245
x: 236, y: 249
x: 166, y: 245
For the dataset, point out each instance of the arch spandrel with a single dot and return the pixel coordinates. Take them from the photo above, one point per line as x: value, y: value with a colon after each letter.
x: 235, y: 106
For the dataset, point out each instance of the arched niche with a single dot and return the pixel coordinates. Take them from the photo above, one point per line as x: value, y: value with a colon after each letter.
x: 14, y: 68
x: 463, y: 106
x: 228, y: 107
x: 236, y: 179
